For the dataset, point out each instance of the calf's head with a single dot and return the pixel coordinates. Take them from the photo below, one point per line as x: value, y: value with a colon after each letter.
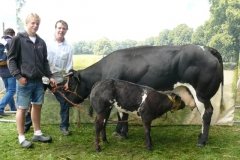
x: 176, y: 100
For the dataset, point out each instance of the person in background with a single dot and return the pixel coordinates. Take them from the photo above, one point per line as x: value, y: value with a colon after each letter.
x: 60, y: 60
x: 27, y: 62
x: 8, y: 80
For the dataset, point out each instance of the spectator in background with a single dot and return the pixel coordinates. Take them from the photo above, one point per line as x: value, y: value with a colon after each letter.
x: 8, y: 80
x: 60, y: 61
x: 27, y: 61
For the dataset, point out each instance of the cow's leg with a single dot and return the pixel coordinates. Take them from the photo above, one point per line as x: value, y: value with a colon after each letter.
x: 122, y: 125
x: 206, y: 120
x: 124, y: 130
x: 119, y: 124
x: 98, y: 128
x: 147, y: 130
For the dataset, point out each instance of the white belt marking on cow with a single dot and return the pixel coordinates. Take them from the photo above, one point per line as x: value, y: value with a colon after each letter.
x: 144, y: 96
x: 121, y: 109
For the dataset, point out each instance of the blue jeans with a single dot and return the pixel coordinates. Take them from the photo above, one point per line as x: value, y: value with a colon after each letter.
x: 32, y: 92
x: 10, y: 86
x: 64, y: 111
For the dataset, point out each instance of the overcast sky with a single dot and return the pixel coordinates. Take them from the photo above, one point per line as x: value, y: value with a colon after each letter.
x: 113, y: 19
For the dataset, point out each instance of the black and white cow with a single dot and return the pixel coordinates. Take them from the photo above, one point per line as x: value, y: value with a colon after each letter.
x: 129, y: 97
x: 161, y: 67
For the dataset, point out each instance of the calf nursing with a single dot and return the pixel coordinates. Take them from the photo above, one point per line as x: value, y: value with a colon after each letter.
x: 128, y: 97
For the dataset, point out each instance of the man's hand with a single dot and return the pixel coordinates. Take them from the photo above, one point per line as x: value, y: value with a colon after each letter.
x: 65, y: 87
x: 23, y: 81
x: 53, y: 83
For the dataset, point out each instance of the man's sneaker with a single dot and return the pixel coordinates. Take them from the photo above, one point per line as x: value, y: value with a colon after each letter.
x: 26, y: 144
x: 65, y: 132
x: 45, y: 139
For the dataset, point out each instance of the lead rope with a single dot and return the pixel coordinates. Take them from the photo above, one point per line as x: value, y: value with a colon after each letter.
x: 72, y: 103
x: 78, y: 106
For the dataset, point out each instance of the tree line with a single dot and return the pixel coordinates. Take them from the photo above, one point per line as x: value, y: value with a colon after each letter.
x: 220, y: 31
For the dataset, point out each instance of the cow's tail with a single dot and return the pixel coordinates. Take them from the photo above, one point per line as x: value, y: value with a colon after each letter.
x: 216, y: 54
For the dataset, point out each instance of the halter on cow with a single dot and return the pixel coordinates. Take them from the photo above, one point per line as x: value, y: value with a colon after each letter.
x: 159, y: 67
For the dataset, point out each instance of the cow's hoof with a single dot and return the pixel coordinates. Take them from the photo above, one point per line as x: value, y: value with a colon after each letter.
x: 116, y: 134
x: 200, y: 145
x: 105, y: 141
x: 150, y: 148
x: 124, y: 136
x: 200, y: 135
x: 98, y: 149
x: 119, y: 135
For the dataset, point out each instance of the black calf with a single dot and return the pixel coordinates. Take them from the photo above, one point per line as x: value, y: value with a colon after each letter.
x: 127, y: 97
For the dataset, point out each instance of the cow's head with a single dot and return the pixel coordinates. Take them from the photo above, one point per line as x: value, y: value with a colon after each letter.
x: 177, y: 102
x: 73, y: 93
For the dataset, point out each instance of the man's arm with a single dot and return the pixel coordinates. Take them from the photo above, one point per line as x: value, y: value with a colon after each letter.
x: 13, y: 55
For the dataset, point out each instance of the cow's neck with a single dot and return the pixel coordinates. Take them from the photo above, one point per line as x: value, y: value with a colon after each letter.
x: 90, y: 76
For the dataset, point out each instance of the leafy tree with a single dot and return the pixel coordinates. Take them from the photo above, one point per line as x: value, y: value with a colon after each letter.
x: 163, y: 38
x: 199, y: 36
x: 224, y: 43
x: 123, y: 44
x: 182, y: 34
x: 150, y: 41
x: 83, y: 47
x: 224, y: 27
x: 102, y: 47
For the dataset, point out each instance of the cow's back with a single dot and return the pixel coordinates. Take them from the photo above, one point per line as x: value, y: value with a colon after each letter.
x: 160, y: 67
x: 143, y: 65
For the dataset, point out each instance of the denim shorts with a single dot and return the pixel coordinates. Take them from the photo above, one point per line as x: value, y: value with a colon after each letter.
x: 32, y: 92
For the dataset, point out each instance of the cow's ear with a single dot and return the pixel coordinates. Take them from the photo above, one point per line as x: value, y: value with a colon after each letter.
x: 173, y: 95
x: 72, y: 70
x: 77, y: 76
x: 69, y: 74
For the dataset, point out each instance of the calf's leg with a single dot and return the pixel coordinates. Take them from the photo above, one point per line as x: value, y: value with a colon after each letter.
x: 98, y: 128
x: 147, y: 130
x: 106, y: 116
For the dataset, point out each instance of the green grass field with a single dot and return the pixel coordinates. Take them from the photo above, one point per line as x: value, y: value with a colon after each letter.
x: 170, y: 141
x: 83, y: 61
